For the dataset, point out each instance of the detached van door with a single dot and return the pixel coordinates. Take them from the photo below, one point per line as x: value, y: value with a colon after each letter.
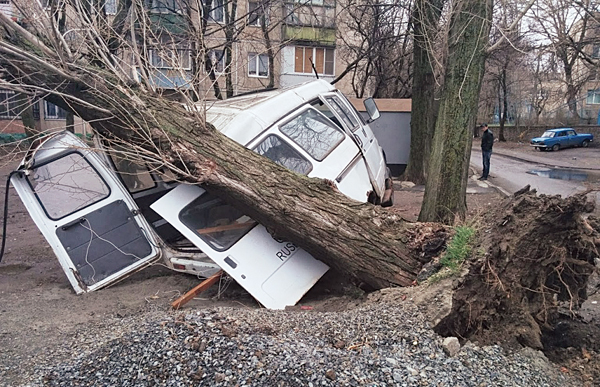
x: 363, y: 136
x: 276, y: 273
x: 84, y: 212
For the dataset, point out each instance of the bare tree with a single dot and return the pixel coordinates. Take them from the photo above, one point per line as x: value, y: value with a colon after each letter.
x: 564, y: 27
x: 504, y: 62
x: 376, y: 48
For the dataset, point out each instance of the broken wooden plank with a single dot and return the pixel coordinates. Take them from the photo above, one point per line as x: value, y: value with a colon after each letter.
x: 226, y: 227
x: 204, y: 285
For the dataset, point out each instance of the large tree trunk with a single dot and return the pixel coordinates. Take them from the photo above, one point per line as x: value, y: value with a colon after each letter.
x: 445, y: 191
x: 373, y: 246
x: 425, y: 16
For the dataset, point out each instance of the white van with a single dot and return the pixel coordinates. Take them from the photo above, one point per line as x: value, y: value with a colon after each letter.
x: 106, y: 217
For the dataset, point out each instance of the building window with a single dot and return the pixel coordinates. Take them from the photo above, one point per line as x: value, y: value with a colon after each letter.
x: 258, y: 65
x: 217, y: 59
x: 4, y: 1
x: 216, y: 12
x: 596, y: 51
x: 322, y: 58
x: 316, y: 13
x: 36, y: 108
x: 9, y: 107
x: 110, y: 7
x: 256, y: 11
x: 170, y: 59
x: 53, y: 112
x: 593, y: 97
x: 163, y: 6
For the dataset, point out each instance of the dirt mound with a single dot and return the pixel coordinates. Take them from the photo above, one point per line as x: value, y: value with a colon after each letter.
x: 536, y: 257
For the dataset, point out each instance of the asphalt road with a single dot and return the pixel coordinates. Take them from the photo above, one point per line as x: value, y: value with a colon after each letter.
x: 564, y: 173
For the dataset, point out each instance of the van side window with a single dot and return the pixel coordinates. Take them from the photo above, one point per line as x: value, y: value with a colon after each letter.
x: 323, y: 108
x: 136, y: 177
x: 283, y: 154
x: 66, y: 185
x: 216, y: 222
x: 343, y: 111
x: 313, y: 132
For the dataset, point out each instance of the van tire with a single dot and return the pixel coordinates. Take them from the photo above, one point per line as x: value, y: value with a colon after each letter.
x: 388, y: 195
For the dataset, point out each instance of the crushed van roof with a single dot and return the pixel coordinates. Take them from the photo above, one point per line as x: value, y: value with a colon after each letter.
x: 245, y: 117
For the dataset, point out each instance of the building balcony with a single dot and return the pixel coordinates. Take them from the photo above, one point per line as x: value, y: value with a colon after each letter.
x: 305, y: 34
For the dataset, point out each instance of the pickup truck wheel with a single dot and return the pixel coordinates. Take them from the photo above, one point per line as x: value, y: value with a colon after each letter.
x: 555, y: 147
x: 537, y: 148
x: 585, y: 143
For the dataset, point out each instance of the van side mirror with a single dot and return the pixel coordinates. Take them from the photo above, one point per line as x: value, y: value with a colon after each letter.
x: 371, y: 107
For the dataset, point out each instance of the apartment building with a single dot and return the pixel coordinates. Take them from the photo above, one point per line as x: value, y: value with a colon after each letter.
x: 47, y: 116
x: 223, y: 49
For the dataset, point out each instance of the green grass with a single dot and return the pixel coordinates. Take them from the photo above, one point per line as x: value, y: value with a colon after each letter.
x: 459, y: 248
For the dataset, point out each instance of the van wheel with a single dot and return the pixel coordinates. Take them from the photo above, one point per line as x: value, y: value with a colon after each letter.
x: 555, y: 147
x: 373, y: 198
x: 388, y: 196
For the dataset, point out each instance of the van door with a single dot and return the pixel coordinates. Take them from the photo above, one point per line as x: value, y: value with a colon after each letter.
x: 362, y: 135
x: 276, y: 273
x: 86, y: 215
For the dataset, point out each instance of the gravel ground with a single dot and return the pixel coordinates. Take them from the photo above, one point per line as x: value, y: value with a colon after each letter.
x: 375, y: 344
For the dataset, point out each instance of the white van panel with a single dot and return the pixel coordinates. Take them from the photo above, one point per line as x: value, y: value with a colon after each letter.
x: 275, y: 273
x: 97, y: 243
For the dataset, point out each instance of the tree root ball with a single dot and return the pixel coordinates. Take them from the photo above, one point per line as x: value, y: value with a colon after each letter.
x: 533, y: 263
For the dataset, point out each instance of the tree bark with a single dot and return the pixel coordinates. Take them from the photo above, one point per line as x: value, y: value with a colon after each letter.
x: 445, y: 191
x: 426, y: 16
x: 372, y: 246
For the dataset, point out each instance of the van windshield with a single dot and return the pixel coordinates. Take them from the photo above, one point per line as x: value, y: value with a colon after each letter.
x: 313, y: 132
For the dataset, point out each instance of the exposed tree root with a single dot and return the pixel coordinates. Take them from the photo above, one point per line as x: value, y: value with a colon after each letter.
x: 539, y: 254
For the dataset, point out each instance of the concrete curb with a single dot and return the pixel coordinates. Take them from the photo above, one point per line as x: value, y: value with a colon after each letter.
x: 502, y: 191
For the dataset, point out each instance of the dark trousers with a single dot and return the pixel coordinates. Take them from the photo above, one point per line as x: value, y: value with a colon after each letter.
x: 486, y: 162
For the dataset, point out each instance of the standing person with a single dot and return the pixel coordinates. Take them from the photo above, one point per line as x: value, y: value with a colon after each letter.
x: 487, y: 142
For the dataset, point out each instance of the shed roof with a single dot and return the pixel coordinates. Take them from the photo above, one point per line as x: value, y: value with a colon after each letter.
x: 398, y: 105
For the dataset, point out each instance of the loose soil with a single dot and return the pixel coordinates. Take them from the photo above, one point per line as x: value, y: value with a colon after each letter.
x: 39, y: 311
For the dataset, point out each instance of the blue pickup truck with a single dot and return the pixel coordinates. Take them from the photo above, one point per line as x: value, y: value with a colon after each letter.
x: 556, y: 139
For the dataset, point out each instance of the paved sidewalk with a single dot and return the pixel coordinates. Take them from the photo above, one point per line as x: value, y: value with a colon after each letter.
x: 576, y: 158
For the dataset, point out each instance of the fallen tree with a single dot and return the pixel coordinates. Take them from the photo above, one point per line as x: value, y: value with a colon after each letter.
x: 374, y: 247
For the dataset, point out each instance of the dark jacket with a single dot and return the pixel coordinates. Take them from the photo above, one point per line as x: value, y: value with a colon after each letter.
x: 487, y: 140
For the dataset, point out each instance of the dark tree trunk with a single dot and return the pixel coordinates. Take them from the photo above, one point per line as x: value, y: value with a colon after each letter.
x: 445, y: 191
x: 70, y: 122
x: 425, y: 17
x: 270, y: 51
x: 26, y: 113
x: 230, y: 27
x: 504, y: 104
